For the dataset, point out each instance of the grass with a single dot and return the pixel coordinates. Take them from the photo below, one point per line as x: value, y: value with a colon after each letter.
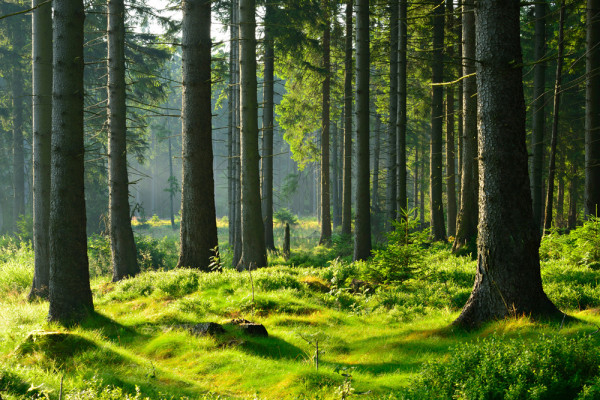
x: 380, y: 341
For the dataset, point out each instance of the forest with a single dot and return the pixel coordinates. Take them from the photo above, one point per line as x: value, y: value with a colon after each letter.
x: 299, y: 199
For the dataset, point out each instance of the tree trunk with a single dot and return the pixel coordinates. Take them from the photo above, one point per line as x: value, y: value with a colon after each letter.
x: 592, y: 111
x: 122, y: 245
x: 17, y: 121
x: 362, y: 235
x: 450, y: 156
x: 376, y: 155
x: 230, y: 132
x: 391, y: 181
x: 539, y: 104
x: 237, y: 245
x: 171, y: 187
x: 254, y: 253
x: 436, y: 206
x: 198, y: 233
x: 560, y: 196
x: 573, y: 190
x: 335, y: 192
x: 459, y: 36
x: 347, y: 174
x: 508, y: 280
x: 325, y: 184
x: 70, y: 293
x: 267, y: 160
x: 467, y: 217
x: 557, y: 91
x: 401, y: 205
x: 42, y: 131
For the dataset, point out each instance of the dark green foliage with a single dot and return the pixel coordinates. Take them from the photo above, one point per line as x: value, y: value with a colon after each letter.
x: 580, y: 246
x: 502, y: 368
x: 283, y: 216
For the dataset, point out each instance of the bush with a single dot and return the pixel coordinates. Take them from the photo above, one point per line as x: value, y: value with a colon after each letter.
x: 16, y: 267
x: 580, y: 246
x: 500, y: 368
x: 283, y: 216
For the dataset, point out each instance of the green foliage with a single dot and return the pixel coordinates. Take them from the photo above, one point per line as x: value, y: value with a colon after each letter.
x: 16, y: 266
x: 580, y: 246
x: 283, y: 216
x: 25, y: 227
x: 549, y: 367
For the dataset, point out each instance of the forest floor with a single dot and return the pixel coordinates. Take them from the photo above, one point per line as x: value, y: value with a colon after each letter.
x: 377, y: 338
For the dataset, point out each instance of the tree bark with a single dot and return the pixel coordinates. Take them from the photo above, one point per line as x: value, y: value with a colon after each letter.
x: 508, y: 280
x: 592, y: 111
x: 267, y: 159
x: 198, y: 234
x: 42, y: 134
x: 254, y: 253
x: 469, y: 208
x: 401, y: 118
x: 124, y: 256
x: 557, y: 92
x: 17, y: 122
x: 539, y: 105
x: 325, y: 122
x: 450, y: 156
x: 70, y: 293
x: 362, y: 235
x: 436, y: 206
x: 347, y: 173
x: 391, y: 181
x: 460, y: 113
x: 573, y: 191
x: 335, y: 192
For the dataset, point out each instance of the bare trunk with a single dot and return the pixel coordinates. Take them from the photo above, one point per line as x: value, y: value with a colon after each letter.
x: 70, y: 293
x: 508, y: 280
x: 401, y: 119
x: 267, y: 159
x: 391, y: 181
x: 347, y: 174
x: 42, y: 131
x: 325, y: 184
x: 17, y: 121
x: 573, y: 190
x: 450, y: 157
x: 198, y: 232
x: 592, y: 111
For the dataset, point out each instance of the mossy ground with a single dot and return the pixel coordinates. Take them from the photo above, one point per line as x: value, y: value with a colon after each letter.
x: 374, y: 342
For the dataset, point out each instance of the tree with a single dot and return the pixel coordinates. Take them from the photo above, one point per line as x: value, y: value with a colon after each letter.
x: 401, y: 118
x: 267, y: 158
x: 124, y: 256
x: 42, y: 131
x: 70, y: 293
x: 539, y: 105
x: 592, y: 110
x: 362, y: 235
x: 468, y: 213
x: 391, y: 181
x: 325, y: 123
x: 198, y: 235
x: 438, y: 229
x: 450, y: 156
x: 347, y: 164
x: 254, y: 253
x: 508, y: 280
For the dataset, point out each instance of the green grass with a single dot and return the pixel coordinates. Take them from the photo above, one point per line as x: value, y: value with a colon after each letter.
x: 380, y: 340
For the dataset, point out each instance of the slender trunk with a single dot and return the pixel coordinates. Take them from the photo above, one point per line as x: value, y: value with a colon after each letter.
x: 237, y: 246
x: 436, y: 206
x: 254, y: 253
x: 122, y: 245
x: 347, y: 174
x: 17, y: 121
x: 198, y: 231
x: 560, y: 196
x: 422, y: 192
x: 467, y: 217
x: 539, y: 105
x: 508, y: 280
x: 557, y: 91
x: 458, y: 28
x: 335, y: 193
x: 171, y: 187
x: 325, y: 184
x: 592, y: 111
x: 416, y: 180
x: 573, y: 190
x: 401, y: 119
x: 362, y: 235
x: 391, y: 181
x: 450, y: 157
x: 231, y: 131
x: 267, y: 160
x: 70, y: 293
x: 42, y: 131
x: 376, y: 155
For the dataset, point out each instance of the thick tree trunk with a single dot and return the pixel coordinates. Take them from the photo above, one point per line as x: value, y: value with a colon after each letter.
x: 508, y: 280
x: 458, y: 28
x: 42, y: 131
x: 362, y: 236
x: 467, y: 217
x: 347, y: 174
x: 401, y: 119
x: 325, y: 184
x: 230, y: 132
x: 267, y: 159
x: 539, y: 105
x: 557, y: 92
x: 436, y: 206
x: 124, y: 256
x: 450, y: 156
x: 391, y: 181
x: 237, y: 203
x: 70, y: 294
x: 198, y: 234
x: 254, y: 253
x: 592, y: 111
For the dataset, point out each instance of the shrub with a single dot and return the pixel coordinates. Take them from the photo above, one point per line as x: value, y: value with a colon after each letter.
x: 283, y: 216
x: 500, y: 368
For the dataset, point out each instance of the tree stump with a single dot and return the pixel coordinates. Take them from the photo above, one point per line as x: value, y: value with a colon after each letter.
x: 286, y: 242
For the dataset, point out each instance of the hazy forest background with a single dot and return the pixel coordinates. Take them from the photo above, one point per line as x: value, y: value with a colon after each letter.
x: 299, y: 199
